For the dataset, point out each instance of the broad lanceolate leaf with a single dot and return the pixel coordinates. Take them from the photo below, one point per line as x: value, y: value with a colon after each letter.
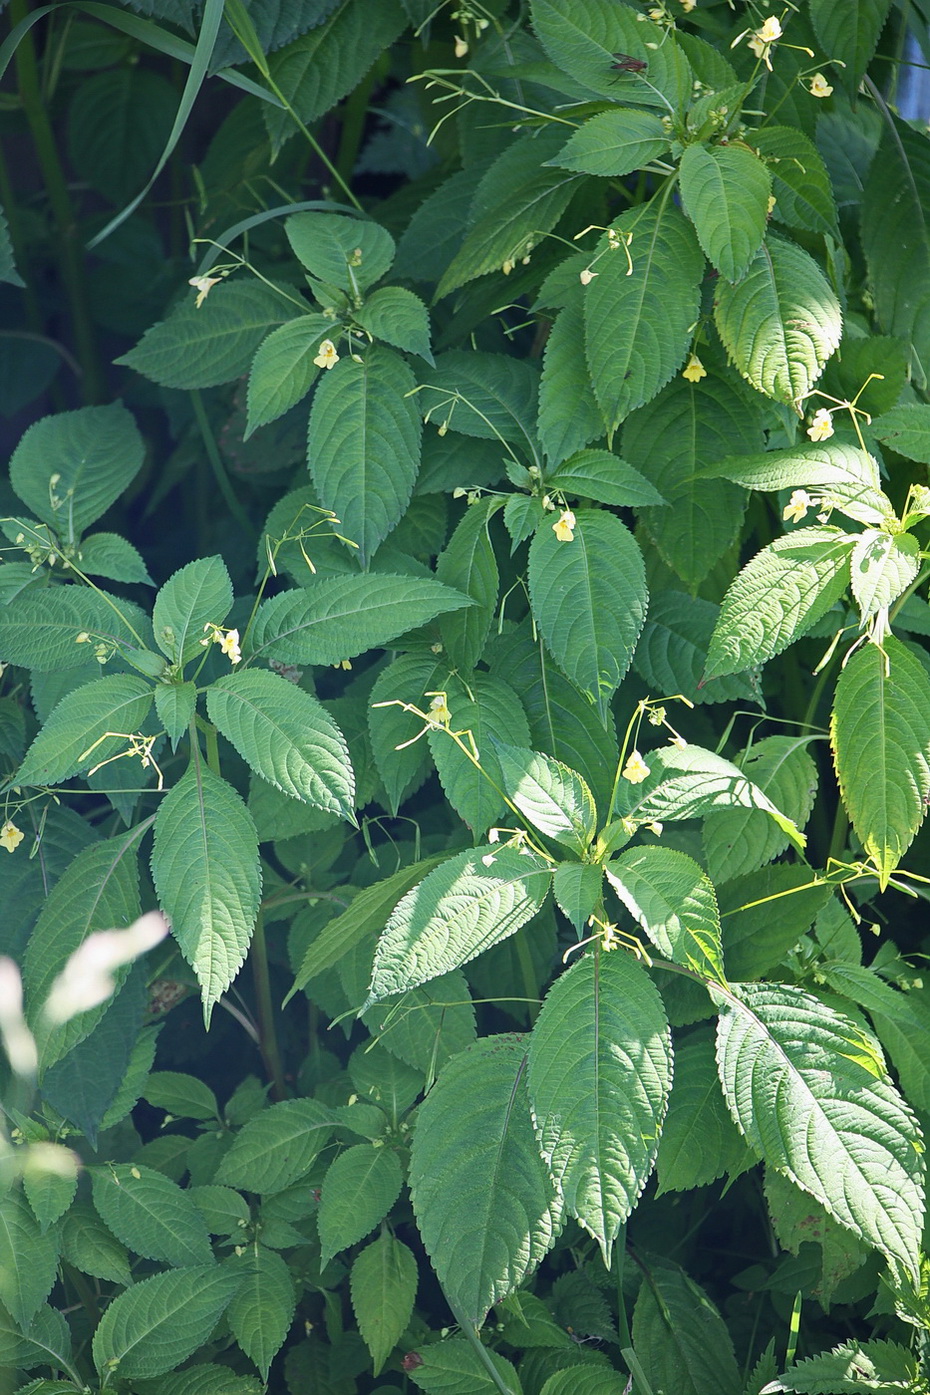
x: 681, y: 1339
x: 39, y: 628
x: 286, y: 736
x: 490, y: 710
x: 565, y: 379
x: 159, y: 1322
x: 589, y: 601
x: 849, y: 32
x: 638, y: 326
x: 28, y: 1259
x: 582, y: 36
x: 277, y: 1147
x: 207, y: 875
x: 283, y: 369
x: 673, y: 900
x: 110, y: 556
x: 552, y: 798
x: 600, y: 475
x: 195, y: 596
x: 737, y: 841
x: 359, y: 1189
x: 600, y: 1070
x: 396, y: 316
x: 201, y: 348
x: 672, y: 650
x: 882, y: 567
x: 175, y: 704
x: 614, y: 143
x: 778, y: 596
x: 363, y: 447
x: 350, y: 253
x: 726, y: 192
x: 471, y: 902
x: 151, y: 1214
x: 842, y: 475
x: 76, y: 735
x: 880, y: 1366
x: 906, y: 430
x: 485, y: 395
x: 781, y: 322
x: 383, y: 1286
x: 699, y: 1140
x: 486, y: 1207
x: 468, y: 564
x: 801, y: 183
x: 69, y: 468
x: 801, y: 1083
x: 263, y: 1308
x: 340, y: 617
x: 880, y: 732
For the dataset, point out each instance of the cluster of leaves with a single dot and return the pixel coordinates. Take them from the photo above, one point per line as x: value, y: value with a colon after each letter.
x: 495, y: 745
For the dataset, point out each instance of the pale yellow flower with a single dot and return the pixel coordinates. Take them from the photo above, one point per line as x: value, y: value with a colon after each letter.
x: 564, y: 527
x: 694, y: 370
x: 636, y: 770
x: 770, y: 206
x: 819, y: 87
x: 586, y: 276
x: 327, y: 357
x: 229, y: 643
x: 11, y: 836
x: 461, y: 47
x: 761, y: 40
x: 439, y: 714
x: 797, y: 506
x: 203, y: 285
x: 687, y: 5
x: 821, y: 427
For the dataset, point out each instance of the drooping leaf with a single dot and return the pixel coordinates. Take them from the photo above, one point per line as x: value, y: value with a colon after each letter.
x: 551, y: 797
x: 76, y: 735
x: 485, y: 1205
x: 207, y: 875
x: 462, y: 907
x: 879, y: 733
x: 360, y: 1187
x: 262, y: 1309
x: 277, y: 1147
x: 726, y: 190
x: 363, y: 446
x: 92, y: 1248
x: 39, y: 628
x: 591, y: 641
x: 283, y: 370
x: 781, y: 322
x: 680, y: 1337
x: 383, y: 1287
x: 638, y: 324
x: 286, y: 736
x: 740, y: 840
x: 844, y: 476
x: 151, y: 1214
x: 110, y: 556
x: 802, y: 1084
x: 159, y: 1322
x: 673, y: 900
x: 397, y: 316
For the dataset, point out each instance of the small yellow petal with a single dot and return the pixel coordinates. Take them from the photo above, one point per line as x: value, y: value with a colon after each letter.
x: 636, y: 770
x: 819, y: 87
x: 821, y: 428
x: 564, y: 528
x: 327, y: 357
x: 797, y: 506
x: 11, y: 836
x: 694, y: 370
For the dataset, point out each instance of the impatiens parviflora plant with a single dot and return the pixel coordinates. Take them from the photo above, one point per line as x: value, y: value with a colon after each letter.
x: 613, y: 412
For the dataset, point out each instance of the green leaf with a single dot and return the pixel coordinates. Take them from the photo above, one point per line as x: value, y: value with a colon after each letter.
x: 680, y: 1337
x: 151, y: 1214
x: 39, y: 627
x: 879, y: 733
x: 600, y: 475
x: 197, y: 595
x: 360, y: 1187
x: 688, y: 427
x: 519, y: 199
x: 777, y: 597
x: 460, y: 908
x: 600, y: 1071
x: 50, y: 1182
x: 765, y: 913
x: 176, y: 704
x: 283, y: 369
x: 318, y: 69
x: 851, y: 1369
x: 207, y: 875
x: 224, y: 1211
x: 47, y: 1343
x: 486, y: 395
x: 673, y: 900
x: 699, y: 1140
x: 397, y: 317
x: 363, y: 446
x: 350, y: 253
x: 161, y: 1321
x: 800, y: 1081
x: 553, y: 799
x: 781, y: 322
x: 570, y: 583
x: 425, y: 1026
x: 276, y: 1147
x: 383, y: 1286
x: 454, y: 1367
x: 882, y: 567
x: 800, y: 180
x: 582, y: 36
x: 741, y: 840
x: 208, y: 1380
x: 485, y: 1205
x: 8, y: 270
x: 90, y: 1247
x: 803, y: 1227
x: 577, y: 886
x: 286, y: 736
x: 906, y: 430
x: 849, y: 33
x: 726, y: 191
x: 183, y: 1096
x: 340, y: 617
x: 201, y: 348
x: 468, y: 564
x: 565, y: 379
x: 262, y: 1309
x: 28, y: 1259
x: 76, y: 735
x: 491, y: 711
x: 614, y: 143
x: 583, y: 1378
x: 69, y: 468
x: 110, y: 556
x: 98, y: 891
x: 656, y: 304
x: 118, y: 123
x: 845, y: 476
x: 672, y: 650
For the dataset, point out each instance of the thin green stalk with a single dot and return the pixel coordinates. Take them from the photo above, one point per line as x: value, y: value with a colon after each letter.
x: 354, y: 116
x: 623, y: 1322
x: 268, y: 1037
x: 72, y: 270
x: 216, y: 463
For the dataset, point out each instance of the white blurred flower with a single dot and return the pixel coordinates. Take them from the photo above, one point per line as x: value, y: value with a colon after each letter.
x: 87, y: 978
x: 16, y: 1036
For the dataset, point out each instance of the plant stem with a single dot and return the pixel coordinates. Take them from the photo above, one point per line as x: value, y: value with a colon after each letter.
x: 72, y: 270
x: 268, y: 1037
x: 216, y: 463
